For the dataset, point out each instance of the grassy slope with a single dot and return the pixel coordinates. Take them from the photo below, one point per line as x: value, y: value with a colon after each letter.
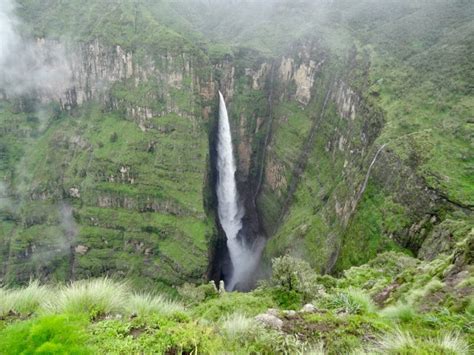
x: 55, y: 165
x: 424, y: 89
x: 365, y: 309
x: 166, y: 165
x: 419, y: 77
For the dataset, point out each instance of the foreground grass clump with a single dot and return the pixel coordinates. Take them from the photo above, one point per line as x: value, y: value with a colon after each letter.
x: 237, y: 325
x: 143, y: 304
x: 23, y: 301
x: 399, y: 313
x: 400, y: 342
x: 353, y: 301
x: 95, y: 297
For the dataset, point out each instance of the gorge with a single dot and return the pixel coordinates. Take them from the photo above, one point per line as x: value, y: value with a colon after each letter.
x: 215, y: 176
x: 128, y: 140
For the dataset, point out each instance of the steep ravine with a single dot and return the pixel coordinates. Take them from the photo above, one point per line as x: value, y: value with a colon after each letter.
x: 312, y: 200
x: 135, y: 159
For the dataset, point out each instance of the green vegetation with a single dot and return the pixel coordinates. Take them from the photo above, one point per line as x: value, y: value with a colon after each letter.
x: 404, y: 343
x: 119, y: 187
x: 406, y: 72
x: 371, y: 309
x: 127, y: 193
x: 133, y: 162
x: 56, y: 334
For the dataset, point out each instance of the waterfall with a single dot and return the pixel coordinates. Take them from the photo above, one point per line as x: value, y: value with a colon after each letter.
x: 230, y: 211
x: 367, y: 175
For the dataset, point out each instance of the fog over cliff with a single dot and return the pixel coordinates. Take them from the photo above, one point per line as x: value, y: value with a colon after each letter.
x: 26, y: 64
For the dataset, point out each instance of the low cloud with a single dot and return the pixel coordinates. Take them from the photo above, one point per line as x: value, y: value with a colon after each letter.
x: 28, y: 65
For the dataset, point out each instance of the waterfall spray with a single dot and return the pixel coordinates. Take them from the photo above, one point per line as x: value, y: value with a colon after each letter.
x: 230, y: 211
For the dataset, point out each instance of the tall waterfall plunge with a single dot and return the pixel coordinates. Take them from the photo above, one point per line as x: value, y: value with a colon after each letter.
x: 244, y: 259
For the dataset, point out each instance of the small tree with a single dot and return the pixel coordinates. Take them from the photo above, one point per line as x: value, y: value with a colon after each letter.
x: 294, y: 275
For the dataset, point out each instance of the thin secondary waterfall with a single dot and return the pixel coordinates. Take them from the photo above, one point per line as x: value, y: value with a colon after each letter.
x: 229, y: 208
x: 367, y: 175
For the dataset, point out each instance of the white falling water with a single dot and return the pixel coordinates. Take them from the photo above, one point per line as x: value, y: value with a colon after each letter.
x: 229, y: 209
x: 367, y: 175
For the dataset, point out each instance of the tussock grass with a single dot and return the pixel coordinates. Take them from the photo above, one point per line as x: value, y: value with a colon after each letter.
x: 399, y: 313
x: 240, y: 329
x: 96, y: 296
x: 143, y: 304
x: 453, y: 342
x: 419, y: 293
x: 470, y: 308
x: 236, y: 326
x: 273, y: 342
x: 354, y: 301
x: 401, y: 342
x: 25, y: 300
x: 468, y: 282
x: 398, y: 342
x: 361, y: 299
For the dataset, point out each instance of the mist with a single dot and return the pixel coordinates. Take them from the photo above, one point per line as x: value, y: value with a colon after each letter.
x: 28, y: 65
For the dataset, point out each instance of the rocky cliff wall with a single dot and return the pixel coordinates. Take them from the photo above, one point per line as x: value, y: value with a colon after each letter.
x: 127, y: 151
x: 130, y: 155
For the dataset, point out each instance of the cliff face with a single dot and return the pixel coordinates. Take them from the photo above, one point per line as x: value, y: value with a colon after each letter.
x: 126, y: 156
x: 327, y: 185
x: 111, y: 171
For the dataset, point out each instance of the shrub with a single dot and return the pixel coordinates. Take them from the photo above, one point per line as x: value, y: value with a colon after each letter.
x: 287, y: 299
x: 23, y: 300
x: 294, y: 275
x: 95, y: 297
x: 399, y: 313
x: 53, y: 334
x: 327, y: 281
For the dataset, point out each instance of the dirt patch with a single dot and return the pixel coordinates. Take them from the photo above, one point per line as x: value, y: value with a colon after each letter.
x: 384, y: 295
x: 305, y: 329
x: 136, y: 332
x: 15, y: 316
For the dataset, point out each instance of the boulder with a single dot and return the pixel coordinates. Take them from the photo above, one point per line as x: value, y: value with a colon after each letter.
x: 309, y: 308
x: 269, y: 320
